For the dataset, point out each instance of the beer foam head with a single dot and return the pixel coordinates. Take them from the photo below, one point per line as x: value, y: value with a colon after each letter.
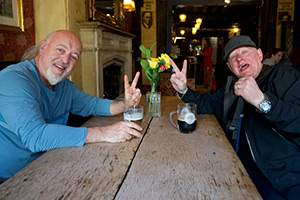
x: 133, y: 116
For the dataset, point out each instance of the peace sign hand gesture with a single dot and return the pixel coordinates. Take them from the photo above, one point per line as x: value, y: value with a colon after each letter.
x: 178, y: 79
x: 132, y: 94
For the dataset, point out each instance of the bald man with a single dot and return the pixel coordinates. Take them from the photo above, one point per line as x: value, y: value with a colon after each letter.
x: 36, y: 98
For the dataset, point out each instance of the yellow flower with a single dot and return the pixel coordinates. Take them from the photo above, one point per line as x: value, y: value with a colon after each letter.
x: 165, y: 57
x: 153, y: 63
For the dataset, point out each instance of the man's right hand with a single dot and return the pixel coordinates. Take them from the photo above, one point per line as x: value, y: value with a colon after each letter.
x: 178, y: 79
x: 118, y: 132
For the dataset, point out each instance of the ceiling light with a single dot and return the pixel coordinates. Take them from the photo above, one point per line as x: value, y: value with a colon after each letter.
x: 199, y: 21
x: 227, y: 1
x: 182, y: 17
x: 197, y: 26
x: 182, y: 32
x: 129, y: 5
x: 194, y: 30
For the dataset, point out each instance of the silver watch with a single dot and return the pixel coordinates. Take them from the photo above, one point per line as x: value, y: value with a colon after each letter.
x: 265, y: 105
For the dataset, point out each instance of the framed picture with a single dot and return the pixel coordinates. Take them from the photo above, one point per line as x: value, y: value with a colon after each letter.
x: 11, y: 16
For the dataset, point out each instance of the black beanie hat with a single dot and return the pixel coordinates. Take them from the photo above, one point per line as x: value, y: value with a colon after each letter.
x: 236, y: 42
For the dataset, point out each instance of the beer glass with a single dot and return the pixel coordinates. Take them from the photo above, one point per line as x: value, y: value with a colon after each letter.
x: 186, y: 117
x: 134, y: 113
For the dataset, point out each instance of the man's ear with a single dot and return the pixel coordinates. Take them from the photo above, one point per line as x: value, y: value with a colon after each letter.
x: 260, y: 53
x: 43, y: 46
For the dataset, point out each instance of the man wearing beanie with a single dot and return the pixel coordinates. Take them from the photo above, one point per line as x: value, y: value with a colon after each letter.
x: 265, y: 103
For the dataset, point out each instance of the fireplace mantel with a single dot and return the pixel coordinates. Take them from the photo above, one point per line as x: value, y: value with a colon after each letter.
x: 102, y: 45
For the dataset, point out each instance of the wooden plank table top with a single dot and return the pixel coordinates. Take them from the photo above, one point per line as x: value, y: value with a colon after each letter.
x: 173, y: 165
x: 164, y: 164
x: 94, y: 171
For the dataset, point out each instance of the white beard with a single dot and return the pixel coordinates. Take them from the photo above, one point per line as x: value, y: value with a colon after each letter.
x: 51, y: 77
x: 53, y: 80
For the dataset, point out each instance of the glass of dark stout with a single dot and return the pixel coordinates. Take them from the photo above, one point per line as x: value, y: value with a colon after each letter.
x: 186, y: 117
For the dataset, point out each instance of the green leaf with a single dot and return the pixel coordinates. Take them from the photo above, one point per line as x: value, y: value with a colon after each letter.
x: 150, y: 50
x: 152, y: 46
x: 143, y: 49
x: 149, y: 74
x: 144, y: 64
x: 148, y: 54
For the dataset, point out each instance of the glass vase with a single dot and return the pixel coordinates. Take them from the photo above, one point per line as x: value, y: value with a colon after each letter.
x: 153, y: 104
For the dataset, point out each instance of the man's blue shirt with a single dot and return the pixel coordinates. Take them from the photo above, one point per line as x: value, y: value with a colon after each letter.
x: 33, y: 118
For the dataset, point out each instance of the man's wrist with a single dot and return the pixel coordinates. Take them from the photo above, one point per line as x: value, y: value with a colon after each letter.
x: 93, y: 135
x: 265, y: 105
x: 181, y: 95
x: 116, y: 107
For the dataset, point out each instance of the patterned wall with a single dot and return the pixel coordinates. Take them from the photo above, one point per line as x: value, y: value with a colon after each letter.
x: 13, y: 45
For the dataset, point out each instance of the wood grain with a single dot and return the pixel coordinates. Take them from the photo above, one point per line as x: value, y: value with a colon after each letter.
x: 172, y: 165
x: 165, y: 164
x: 94, y: 171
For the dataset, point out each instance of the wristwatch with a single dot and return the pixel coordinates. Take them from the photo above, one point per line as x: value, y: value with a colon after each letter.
x: 265, y: 105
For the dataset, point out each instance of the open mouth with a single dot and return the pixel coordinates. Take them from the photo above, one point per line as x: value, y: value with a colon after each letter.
x: 59, y: 66
x: 244, y: 66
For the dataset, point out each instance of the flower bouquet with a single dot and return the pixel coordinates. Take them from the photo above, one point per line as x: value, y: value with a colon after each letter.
x: 153, y: 66
x: 194, y: 45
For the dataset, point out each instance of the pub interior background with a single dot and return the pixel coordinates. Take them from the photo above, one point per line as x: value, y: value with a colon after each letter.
x: 270, y: 23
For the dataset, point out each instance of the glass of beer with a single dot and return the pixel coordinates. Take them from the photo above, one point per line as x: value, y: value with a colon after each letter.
x: 186, y: 117
x: 134, y: 113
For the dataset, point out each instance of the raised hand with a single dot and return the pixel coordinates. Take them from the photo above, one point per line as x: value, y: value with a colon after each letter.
x: 132, y: 94
x: 247, y: 88
x: 178, y: 79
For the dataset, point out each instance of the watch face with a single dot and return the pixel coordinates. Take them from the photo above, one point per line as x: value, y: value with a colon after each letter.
x: 265, y: 106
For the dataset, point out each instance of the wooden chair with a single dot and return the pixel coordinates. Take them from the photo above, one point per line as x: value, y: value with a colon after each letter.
x: 192, y: 63
x: 4, y: 64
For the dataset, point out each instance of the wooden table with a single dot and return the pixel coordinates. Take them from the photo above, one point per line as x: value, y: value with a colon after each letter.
x: 164, y: 164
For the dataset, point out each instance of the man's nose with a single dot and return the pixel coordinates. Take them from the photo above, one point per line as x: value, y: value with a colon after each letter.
x: 238, y: 57
x: 65, y: 58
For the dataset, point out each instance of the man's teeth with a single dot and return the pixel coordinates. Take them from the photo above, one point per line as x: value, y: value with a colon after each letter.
x: 242, y: 66
x: 59, y: 66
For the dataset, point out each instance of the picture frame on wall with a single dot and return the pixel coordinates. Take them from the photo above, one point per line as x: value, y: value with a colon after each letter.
x: 11, y: 16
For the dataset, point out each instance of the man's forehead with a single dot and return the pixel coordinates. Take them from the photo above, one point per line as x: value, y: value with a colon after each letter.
x: 65, y: 40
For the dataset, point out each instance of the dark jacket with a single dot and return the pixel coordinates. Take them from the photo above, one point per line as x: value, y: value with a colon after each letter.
x: 273, y: 138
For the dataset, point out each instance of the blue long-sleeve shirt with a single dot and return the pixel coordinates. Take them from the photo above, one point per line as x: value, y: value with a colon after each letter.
x: 33, y: 118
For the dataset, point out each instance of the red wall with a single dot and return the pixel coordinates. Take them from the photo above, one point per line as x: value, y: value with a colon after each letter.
x: 13, y: 45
